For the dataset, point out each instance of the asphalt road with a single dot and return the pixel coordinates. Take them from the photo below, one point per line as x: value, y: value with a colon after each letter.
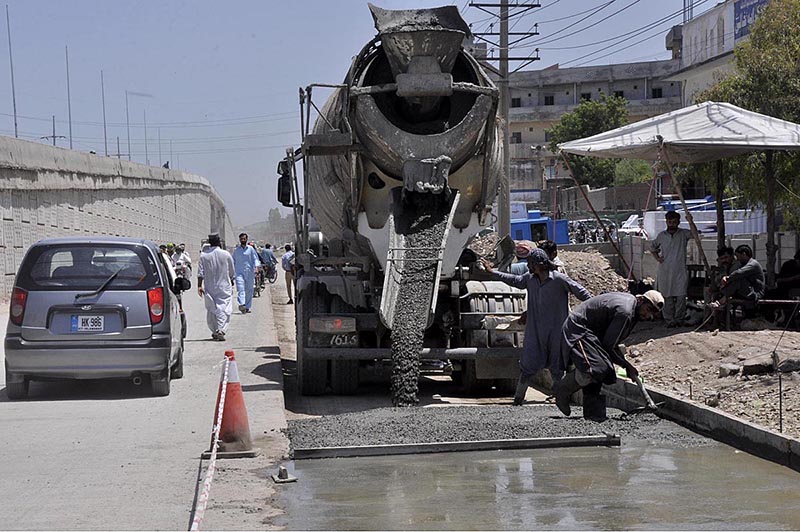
x: 108, y: 455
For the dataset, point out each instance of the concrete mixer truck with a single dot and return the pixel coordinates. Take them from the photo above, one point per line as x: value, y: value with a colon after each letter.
x: 399, y: 173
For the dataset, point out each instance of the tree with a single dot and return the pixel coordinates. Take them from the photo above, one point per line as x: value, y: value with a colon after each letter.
x: 767, y: 80
x: 589, y: 118
x: 274, y: 217
x: 630, y: 171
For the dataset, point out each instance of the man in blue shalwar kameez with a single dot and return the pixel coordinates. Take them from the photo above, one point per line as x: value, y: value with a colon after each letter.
x: 548, y: 307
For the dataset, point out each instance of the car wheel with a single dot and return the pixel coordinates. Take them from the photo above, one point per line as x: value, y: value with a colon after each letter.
x: 17, y: 389
x: 177, y: 369
x: 160, y: 382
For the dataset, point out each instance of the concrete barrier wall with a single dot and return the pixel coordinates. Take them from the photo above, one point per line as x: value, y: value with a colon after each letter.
x: 47, y: 191
x: 636, y: 251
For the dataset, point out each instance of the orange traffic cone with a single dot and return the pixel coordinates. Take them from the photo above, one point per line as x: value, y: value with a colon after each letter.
x: 234, y: 433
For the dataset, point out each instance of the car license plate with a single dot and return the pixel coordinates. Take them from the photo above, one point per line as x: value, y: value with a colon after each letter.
x: 87, y: 323
x: 344, y: 340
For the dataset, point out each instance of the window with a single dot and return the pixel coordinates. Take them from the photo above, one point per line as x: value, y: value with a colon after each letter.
x: 87, y: 267
x: 546, y: 136
x: 721, y: 35
x: 529, y: 95
x: 586, y: 96
x: 657, y: 92
x: 549, y: 99
x: 516, y: 138
x: 635, y: 87
x: 619, y: 94
x: 530, y: 129
x: 516, y: 102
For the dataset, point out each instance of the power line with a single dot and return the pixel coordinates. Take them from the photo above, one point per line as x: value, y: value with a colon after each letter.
x: 194, y: 123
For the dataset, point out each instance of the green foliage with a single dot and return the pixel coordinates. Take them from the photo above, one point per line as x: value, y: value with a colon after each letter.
x: 630, y: 171
x: 767, y: 81
x: 274, y: 216
x: 589, y: 118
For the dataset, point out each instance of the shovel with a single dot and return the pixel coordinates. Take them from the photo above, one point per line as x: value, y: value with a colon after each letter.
x: 651, y: 405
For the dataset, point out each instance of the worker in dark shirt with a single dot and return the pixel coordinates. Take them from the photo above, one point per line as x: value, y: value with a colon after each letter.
x: 788, y: 279
x: 746, y: 281
x: 590, y: 340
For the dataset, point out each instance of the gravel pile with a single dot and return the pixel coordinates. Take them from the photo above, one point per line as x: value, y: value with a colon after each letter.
x: 483, y: 246
x: 593, y: 271
x: 470, y: 423
x: 423, y: 226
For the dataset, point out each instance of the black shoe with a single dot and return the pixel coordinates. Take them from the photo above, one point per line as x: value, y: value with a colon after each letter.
x: 242, y: 308
x: 290, y: 302
x: 247, y: 311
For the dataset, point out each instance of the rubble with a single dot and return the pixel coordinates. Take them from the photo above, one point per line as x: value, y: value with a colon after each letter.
x: 726, y: 370
x: 758, y: 364
x: 593, y: 271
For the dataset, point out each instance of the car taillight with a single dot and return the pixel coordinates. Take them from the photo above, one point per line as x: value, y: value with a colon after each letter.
x: 19, y: 297
x: 155, y: 302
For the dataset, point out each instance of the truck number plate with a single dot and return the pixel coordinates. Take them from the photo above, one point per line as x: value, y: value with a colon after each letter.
x: 80, y: 323
x: 344, y: 340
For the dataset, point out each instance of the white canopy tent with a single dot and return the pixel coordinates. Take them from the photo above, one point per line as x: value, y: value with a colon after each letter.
x: 700, y: 133
x: 704, y: 132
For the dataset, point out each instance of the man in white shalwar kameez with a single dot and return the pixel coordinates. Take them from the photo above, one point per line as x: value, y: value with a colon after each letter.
x: 672, y: 280
x: 215, y: 278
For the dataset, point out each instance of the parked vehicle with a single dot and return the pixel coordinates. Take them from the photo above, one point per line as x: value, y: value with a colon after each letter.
x: 101, y: 307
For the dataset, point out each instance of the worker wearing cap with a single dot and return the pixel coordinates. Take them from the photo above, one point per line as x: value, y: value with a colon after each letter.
x: 590, y: 339
x: 548, y: 306
x: 522, y: 249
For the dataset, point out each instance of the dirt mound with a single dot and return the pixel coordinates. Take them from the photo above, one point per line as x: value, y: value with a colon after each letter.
x: 593, y: 271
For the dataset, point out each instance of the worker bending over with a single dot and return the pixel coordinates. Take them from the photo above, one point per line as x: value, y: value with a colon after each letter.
x: 590, y: 340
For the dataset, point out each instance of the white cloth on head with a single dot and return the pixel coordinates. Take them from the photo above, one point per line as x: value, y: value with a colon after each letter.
x: 216, y: 269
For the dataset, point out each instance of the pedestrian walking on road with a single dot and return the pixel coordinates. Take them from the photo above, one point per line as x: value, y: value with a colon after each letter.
x: 245, y: 258
x: 287, y: 263
x: 590, y: 339
x: 672, y: 280
x: 548, y: 307
x: 215, y: 278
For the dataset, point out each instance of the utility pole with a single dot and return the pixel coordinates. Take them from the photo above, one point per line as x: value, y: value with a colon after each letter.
x: 504, y: 196
x: 127, y: 125
x: 53, y: 136
x: 159, y: 147
x: 69, y: 99
x: 504, y: 200
x: 119, y: 154
x: 146, y: 157
x: 103, y: 95
x: 11, y: 63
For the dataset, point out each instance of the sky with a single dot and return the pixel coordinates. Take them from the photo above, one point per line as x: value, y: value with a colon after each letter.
x: 218, y: 81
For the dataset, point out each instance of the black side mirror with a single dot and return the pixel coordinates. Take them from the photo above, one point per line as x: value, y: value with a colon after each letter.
x: 182, y: 284
x: 285, y: 183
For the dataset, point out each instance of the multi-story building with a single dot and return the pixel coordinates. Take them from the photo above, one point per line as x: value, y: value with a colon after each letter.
x: 702, y: 53
x: 704, y: 44
x: 540, y: 98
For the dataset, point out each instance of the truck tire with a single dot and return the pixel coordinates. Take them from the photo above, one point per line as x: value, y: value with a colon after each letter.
x: 344, y: 373
x: 312, y: 375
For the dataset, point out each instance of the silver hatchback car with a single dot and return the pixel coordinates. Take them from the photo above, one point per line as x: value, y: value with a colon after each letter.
x: 94, y: 308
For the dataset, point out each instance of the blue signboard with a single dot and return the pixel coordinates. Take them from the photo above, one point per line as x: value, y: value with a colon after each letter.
x: 745, y: 13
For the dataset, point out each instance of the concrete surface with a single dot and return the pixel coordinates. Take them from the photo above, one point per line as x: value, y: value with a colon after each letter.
x: 637, y: 486
x: 108, y: 455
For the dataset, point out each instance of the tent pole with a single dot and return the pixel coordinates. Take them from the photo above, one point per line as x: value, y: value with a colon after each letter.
x: 689, y: 218
x: 597, y: 216
x: 769, y: 171
x: 720, y: 206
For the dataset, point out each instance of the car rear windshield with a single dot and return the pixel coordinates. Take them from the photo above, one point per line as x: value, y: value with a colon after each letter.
x: 87, y: 267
